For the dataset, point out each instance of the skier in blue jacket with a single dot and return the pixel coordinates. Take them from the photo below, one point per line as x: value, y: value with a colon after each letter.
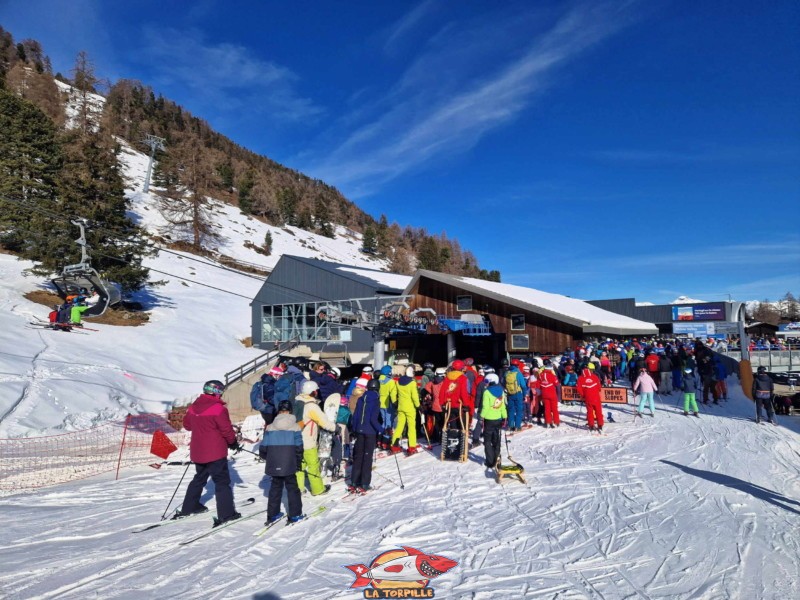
x: 366, y: 426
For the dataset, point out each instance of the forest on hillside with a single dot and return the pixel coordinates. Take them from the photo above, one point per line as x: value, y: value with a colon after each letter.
x: 76, y: 173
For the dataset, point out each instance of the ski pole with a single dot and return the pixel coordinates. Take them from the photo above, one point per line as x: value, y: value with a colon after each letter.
x: 397, y: 463
x: 176, y: 490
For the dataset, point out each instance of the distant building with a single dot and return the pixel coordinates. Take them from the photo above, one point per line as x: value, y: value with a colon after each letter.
x: 428, y: 317
x: 697, y: 319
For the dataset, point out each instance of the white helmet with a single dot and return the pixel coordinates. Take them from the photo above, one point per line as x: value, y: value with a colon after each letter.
x: 367, y: 369
x: 441, y: 371
x: 492, y: 378
x: 409, y: 371
x: 309, y: 387
x: 336, y: 371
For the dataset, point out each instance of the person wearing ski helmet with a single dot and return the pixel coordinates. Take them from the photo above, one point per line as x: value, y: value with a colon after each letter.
x: 549, y: 384
x: 313, y: 418
x: 589, y: 388
x: 455, y: 393
x: 366, y: 428
x: 493, y: 413
x: 689, y: 387
x: 763, y: 389
x: 434, y: 419
x: 407, y: 406
x: 212, y: 436
x: 282, y: 449
x: 388, y: 400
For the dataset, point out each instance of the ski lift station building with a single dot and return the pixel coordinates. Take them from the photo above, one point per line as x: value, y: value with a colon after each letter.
x: 363, y: 315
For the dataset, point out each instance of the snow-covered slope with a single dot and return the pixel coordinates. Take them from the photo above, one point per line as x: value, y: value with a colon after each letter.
x: 664, y: 507
x: 54, y: 381
x: 686, y: 300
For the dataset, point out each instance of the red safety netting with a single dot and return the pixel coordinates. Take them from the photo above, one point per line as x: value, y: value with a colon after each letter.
x: 35, y: 462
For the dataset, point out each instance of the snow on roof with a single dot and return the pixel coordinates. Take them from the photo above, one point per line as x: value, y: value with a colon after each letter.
x: 571, y: 310
x: 388, y: 280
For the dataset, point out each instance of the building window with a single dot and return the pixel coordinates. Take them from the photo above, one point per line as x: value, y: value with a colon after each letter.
x: 519, y: 341
x: 464, y: 302
x: 518, y: 322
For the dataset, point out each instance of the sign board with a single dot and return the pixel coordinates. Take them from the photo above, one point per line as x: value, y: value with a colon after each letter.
x: 615, y: 395
x: 727, y: 327
x: 711, y: 311
x: 694, y: 330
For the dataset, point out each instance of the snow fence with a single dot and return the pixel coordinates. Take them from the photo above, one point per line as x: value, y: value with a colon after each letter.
x: 35, y: 462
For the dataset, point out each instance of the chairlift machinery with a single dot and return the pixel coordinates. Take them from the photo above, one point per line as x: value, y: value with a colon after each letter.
x: 81, y: 276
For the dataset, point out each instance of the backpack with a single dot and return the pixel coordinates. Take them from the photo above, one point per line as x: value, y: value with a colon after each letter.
x: 257, y: 397
x: 343, y: 416
x: 511, y: 383
x: 299, y: 408
x: 284, y: 389
x: 570, y: 379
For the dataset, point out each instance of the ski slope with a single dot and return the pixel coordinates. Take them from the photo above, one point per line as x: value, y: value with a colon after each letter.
x: 665, y: 507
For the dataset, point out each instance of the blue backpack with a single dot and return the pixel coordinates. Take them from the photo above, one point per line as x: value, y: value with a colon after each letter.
x: 258, y: 401
x: 285, y: 388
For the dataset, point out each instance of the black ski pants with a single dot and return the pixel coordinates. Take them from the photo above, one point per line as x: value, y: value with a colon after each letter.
x: 276, y: 494
x: 491, y: 441
x: 218, y: 472
x: 765, y: 403
x: 361, y: 474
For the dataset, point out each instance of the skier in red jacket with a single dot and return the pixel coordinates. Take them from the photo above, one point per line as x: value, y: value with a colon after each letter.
x: 589, y: 388
x: 212, y: 435
x: 454, y: 391
x: 548, y: 382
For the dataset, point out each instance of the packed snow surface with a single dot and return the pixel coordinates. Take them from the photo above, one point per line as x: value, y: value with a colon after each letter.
x: 660, y: 507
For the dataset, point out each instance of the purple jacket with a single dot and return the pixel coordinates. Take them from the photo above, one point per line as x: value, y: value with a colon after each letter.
x: 210, y: 424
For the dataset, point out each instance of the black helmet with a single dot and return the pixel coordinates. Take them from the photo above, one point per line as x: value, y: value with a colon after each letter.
x: 373, y: 385
x: 214, y: 387
x: 762, y: 369
x: 285, y: 406
x: 546, y: 362
x: 427, y: 365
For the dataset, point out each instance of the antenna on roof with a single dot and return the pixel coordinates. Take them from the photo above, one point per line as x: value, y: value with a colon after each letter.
x: 155, y: 143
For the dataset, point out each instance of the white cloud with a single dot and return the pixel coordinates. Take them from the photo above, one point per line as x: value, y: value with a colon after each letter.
x: 448, y: 99
x: 225, y: 75
x: 403, y: 27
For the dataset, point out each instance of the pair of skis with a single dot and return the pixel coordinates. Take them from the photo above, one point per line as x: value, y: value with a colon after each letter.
x: 176, y: 519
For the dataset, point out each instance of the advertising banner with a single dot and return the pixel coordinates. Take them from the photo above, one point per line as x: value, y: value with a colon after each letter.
x: 569, y: 393
x: 711, y: 311
x: 694, y: 330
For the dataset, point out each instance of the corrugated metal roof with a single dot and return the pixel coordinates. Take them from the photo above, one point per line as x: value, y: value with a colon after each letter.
x: 389, y: 282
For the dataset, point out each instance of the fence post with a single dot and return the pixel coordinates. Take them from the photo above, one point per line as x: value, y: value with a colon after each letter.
x: 122, y: 445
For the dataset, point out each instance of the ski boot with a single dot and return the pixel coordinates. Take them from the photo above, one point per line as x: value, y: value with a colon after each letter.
x: 197, y: 511
x: 274, y: 518
x: 396, y: 449
x: 325, y: 491
x: 686, y: 413
x: 295, y: 519
x: 412, y: 450
x: 696, y: 414
x: 233, y: 517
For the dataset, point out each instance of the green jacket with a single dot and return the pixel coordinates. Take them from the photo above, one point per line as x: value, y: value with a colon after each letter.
x: 493, y: 404
x: 388, y: 391
x: 407, y: 395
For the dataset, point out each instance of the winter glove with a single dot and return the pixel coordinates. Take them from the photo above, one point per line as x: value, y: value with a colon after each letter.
x: 235, y: 446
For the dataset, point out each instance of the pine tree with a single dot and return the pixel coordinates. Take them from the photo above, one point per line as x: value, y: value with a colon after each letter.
x: 287, y: 205
x: 429, y: 256
x: 91, y: 187
x: 30, y: 160
x: 267, y: 247
x: 369, y: 242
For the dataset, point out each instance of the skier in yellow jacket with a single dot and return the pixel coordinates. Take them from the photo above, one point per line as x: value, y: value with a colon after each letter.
x: 407, y: 406
x: 313, y: 419
x: 388, y: 401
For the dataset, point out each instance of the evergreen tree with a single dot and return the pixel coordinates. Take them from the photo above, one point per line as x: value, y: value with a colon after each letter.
x: 384, y: 242
x: 245, y: 187
x: 429, y: 256
x: 267, y: 247
x: 287, y: 205
x: 369, y: 242
x: 30, y: 159
x: 91, y: 187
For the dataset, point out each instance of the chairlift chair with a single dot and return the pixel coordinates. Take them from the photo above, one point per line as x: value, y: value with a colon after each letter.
x: 80, y: 276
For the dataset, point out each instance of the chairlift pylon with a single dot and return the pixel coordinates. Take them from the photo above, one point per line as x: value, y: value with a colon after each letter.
x: 81, y: 279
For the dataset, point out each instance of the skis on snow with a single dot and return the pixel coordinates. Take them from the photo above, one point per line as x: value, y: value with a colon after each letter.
x: 317, y: 511
x: 174, y: 519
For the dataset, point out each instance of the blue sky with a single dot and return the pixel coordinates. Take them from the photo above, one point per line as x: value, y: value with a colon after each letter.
x: 595, y: 149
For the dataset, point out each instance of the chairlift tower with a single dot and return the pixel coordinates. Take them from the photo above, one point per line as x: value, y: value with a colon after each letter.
x: 155, y: 143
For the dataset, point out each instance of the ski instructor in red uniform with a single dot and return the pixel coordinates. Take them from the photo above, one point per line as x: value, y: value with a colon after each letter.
x: 589, y: 388
x: 212, y: 435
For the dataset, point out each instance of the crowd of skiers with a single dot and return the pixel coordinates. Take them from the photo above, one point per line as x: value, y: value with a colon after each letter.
x: 377, y: 409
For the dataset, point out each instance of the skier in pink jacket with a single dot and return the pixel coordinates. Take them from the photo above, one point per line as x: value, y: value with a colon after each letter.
x: 647, y: 387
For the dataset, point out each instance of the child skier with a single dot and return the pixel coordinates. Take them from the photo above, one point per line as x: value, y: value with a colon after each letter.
x: 647, y: 387
x: 689, y: 391
x: 282, y: 449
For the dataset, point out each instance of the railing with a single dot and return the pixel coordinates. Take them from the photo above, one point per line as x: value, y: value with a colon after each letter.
x: 774, y: 360
x: 249, y: 367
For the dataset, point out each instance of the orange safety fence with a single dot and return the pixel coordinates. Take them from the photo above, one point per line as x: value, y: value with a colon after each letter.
x: 34, y: 462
